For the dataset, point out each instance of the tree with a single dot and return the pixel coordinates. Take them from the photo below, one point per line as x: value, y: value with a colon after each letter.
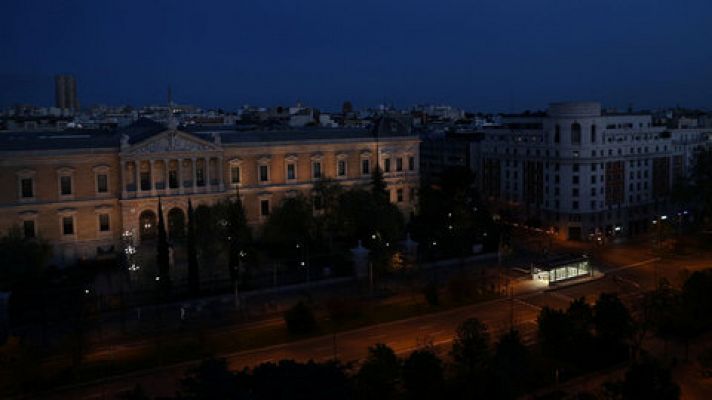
x: 470, y: 348
x: 378, y: 376
x: 300, y: 319
x: 378, y: 186
x: 193, y: 270
x: 613, y: 326
x: 511, y: 366
x: 423, y: 375
x: 298, y: 381
x: 162, y: 252
x: 554, y: 333
x: 207, y: 239
x: 23, y: 259
x: 290, y: 224
x: 235, y: 233
x: 211, y: 379
x: 580, y: 323
x: 611, y: 318
x: 645, y: 380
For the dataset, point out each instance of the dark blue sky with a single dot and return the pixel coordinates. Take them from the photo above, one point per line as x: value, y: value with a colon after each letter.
x: 494, y: 55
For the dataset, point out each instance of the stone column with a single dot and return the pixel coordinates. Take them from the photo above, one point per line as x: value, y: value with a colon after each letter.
x: 195, y: 174
x: 124, y: 181
x: 152, y: 176
x: 221, y: 175
x: 206, y: 174
x: 167, y: 176
x: 180, y: 175
x: 137, y: 172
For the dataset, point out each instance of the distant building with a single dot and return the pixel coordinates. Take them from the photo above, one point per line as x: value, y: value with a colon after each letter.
x: 65, y: 93
x: 583, y: 172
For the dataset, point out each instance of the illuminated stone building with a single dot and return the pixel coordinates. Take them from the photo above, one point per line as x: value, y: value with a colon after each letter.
x: 81, y: 190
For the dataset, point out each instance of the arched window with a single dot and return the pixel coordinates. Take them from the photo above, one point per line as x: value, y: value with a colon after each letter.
x: 575, y: 133
x: 557, y: 134
x: 593, y: 133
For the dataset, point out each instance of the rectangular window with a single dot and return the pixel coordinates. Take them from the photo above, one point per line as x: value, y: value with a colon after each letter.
x: 104, y: 223
x: 65, y: 183
x: 341, y: 168
x: 102, y: 183
x: 411, y: 163
x: 365, y: 167
x: 316, y: 170
x: 399, y: 164
x: 68, y: 226
x: 291, y: 172
x: 28, y: 228
x: 235, y: 175
x: 27, y: 190
x: 411, y: 195
x: 264, y: 208
x: 200, y: 176
x: 173, y: 179
x: 387, y: 165
x: 575, y: 205
x: 264, y: 173
x: 399, y: 195
x: 145, y: 181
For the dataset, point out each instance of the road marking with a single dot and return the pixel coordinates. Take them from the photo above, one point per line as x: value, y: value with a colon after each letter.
x: 649, y: 261
x: 527, y: 304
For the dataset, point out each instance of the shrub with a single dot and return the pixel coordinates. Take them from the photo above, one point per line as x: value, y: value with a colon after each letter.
x: 341, y: 309
x: 300, y: 319
x: 430, y: 291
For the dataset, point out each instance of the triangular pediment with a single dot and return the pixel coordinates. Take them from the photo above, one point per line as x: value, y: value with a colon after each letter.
x: 170, y: 141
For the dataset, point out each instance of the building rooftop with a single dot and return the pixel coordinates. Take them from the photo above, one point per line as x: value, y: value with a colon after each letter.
x: 145, y: 128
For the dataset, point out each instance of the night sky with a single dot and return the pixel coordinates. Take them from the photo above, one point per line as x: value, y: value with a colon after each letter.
x: 498, y: 55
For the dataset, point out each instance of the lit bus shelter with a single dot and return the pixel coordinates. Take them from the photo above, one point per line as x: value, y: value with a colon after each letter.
x: 563, y: 268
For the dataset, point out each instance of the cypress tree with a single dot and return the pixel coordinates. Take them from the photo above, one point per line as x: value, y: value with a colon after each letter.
x: 162, y: 256
x: 238, y: 234
x: 193, y: 273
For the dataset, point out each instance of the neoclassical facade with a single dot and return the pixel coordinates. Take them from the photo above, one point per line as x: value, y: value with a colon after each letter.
x: 82, y: 190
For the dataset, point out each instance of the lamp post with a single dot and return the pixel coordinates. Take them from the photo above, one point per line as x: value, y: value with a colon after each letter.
x: 303, y: 257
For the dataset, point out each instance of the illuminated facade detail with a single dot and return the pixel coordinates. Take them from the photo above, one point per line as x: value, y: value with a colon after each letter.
x: 88, y: 192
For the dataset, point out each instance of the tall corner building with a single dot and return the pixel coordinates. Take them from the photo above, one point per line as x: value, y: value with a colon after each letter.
x: 583, y: 172
x: 65, y: 92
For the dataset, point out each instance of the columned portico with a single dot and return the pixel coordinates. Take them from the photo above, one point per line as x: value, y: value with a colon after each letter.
x: 162, y: 151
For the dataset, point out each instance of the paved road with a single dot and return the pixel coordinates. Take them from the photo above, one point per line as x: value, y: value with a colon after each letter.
x: 630, y: 271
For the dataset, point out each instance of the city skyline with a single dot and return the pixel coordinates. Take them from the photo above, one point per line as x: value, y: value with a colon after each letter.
x: 479, y: 57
